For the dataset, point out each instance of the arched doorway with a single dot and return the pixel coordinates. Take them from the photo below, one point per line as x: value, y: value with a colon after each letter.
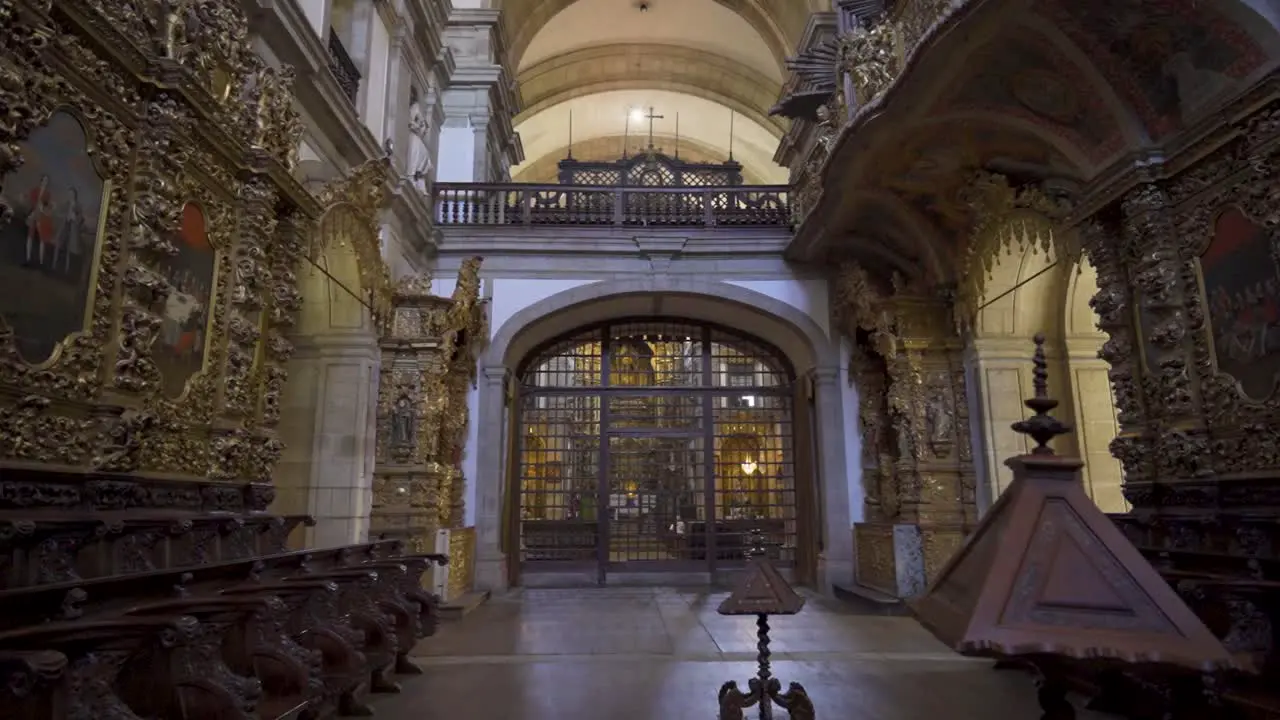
x: 654, y: 446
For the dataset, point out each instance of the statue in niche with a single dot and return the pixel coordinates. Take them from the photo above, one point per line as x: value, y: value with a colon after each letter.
x: 419, y: 130
x: 939, y: 422
x: 402, y: 423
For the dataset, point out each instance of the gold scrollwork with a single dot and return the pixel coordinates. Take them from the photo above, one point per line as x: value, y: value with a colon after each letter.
x: 428, y: 366
x: 1004, y: 218
x: 173, y: 137
x: 364, y: 191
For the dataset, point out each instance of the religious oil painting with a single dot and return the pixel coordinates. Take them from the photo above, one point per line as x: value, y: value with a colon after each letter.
x: 50, y: 236
x: 180, y: 351
x: 1242, y: 288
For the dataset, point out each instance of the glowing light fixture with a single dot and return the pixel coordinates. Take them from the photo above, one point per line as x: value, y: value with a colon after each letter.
x: 636, y: 115
x: 749, y: 466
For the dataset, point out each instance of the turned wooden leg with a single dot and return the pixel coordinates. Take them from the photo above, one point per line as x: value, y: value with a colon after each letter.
x: 405, y: 666
x: 380, y: 682
x: 351, y: 705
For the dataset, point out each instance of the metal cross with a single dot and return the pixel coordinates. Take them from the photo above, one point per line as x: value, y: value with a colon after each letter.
x: 652, y: 117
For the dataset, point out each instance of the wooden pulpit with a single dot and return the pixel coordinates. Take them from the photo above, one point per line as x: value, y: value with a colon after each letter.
x: 1048, y: 580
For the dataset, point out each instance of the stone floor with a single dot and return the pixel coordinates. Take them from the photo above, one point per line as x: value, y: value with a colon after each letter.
x: 661, y: 654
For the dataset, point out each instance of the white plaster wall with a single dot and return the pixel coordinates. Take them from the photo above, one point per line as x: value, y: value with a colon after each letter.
x: 853, y: 435
x: 375, y: 113
x: 456, y: 158
x: 317, y: 12
x: 807, y: 296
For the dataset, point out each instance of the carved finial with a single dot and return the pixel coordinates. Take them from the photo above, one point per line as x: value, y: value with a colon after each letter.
x: 1041, y: 427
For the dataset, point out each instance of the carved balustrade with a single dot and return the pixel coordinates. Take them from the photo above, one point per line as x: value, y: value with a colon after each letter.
x: 531, y: 204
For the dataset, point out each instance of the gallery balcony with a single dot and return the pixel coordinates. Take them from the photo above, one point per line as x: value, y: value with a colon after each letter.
x: 534, y: 205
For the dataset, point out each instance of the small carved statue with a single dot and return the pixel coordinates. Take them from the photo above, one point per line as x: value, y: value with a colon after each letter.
x: 828, y: 129
x: 733, y: 702
x: 402, y: 422
x: 796, y: 702
x: 419, y: 159
x: 938, y: 421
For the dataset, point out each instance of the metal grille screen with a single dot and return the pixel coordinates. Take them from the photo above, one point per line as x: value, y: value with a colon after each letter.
x: 648, y: 445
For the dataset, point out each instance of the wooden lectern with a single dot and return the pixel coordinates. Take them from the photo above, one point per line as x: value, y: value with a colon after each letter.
x: 1048, y: 580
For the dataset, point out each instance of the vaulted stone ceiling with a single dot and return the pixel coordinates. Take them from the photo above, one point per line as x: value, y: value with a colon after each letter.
x: 1075, y: 91
x: 609, y: 61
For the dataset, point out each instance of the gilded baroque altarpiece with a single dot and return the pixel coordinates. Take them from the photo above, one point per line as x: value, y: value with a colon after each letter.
x: 1188, y: 274
x: 429, y: 352
x: 146, y: 158
x: 1188, y: 265
x: 917, y: 461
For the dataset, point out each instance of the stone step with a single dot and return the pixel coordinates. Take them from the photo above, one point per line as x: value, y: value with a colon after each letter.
x: 869, y: 601
x: 458, y: 607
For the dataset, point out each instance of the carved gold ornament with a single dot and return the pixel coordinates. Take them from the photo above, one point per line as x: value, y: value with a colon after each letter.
x: 1006, y: 220
x: 429, y: 353
x: 363, y: 194
x: 189, y: 269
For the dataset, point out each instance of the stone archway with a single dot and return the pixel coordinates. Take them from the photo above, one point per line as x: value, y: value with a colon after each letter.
x: 1035, y: 287
x: 328, y: 407
x: 798, y: 336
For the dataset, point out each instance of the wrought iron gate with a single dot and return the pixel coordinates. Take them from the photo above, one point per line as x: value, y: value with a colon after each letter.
x: 654, y: 445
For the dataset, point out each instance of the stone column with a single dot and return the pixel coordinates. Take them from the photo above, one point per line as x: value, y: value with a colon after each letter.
x: 491, y: 480
x: 835, y: 562
x: 395, y: 126
x: 325, y: 469
x: 1003, y: 375
x: 478, y: 142
x: 1095, y: 424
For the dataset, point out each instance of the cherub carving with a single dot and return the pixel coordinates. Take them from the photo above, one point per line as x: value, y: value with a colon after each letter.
x: 796, y: 702
x: 733, y: 702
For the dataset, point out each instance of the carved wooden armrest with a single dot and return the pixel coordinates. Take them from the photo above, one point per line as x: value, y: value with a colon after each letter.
x: 275, y: 539
x: 198, y: 669
x: 53, y: 550
x: 291, y: 675
x: 316, y: 622
x: 97, y: 651
x: 357, y: 591
x: 32, y: 685
x: 390, y: 597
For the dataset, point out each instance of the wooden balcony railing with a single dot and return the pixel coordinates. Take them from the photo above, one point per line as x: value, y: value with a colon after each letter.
x: 530, y: 204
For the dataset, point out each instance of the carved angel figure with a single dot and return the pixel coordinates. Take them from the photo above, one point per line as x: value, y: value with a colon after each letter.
x: 828, y: 129
x: 904, y: 404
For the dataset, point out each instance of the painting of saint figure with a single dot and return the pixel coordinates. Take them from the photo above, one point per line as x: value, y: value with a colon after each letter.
x: 1242, y: 286
x: 49, y: 234
x: 184, y: 325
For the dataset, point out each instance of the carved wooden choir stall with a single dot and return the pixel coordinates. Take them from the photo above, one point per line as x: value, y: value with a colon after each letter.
x: 153, y: 234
